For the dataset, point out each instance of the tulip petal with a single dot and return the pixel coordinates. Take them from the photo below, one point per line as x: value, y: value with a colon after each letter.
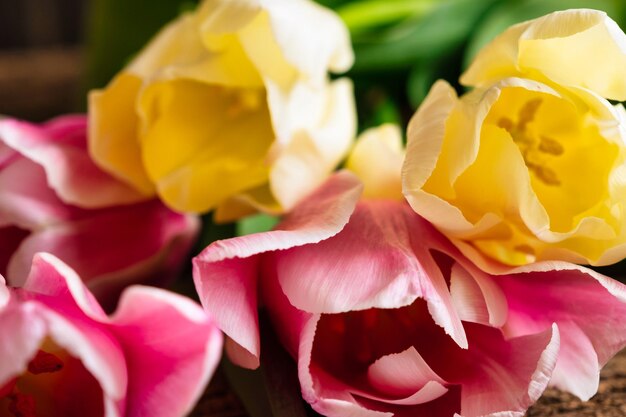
x: 53, y: 278
x: 558, y: 47
x: 283, y: 32
x: 185, y: 153
x: 589, y: 309
x: 476, y: 297
x: 60, y: 148
x: 508, y: 376
x: 23, y: 331
x: 314, y: 130
x: 146, y: 238
x: 172, y: 349
x: 382, y: 148
x: 4, y: 293
x: 225, y: 274
x: 373, y: 262
x: 29, y: 203
x: 113, y: 127
x: 406, y: 373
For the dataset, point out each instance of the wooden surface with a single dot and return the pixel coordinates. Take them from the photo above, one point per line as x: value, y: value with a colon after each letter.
x: 219, y: 401
x: 40, y: 84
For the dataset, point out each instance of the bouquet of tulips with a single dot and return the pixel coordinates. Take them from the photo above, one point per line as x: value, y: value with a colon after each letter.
x: 442, y: 275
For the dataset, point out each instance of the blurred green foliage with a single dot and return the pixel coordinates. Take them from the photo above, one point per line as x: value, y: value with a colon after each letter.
x: 117, y: 29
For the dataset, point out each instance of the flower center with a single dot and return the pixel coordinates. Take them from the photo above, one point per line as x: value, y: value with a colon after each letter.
x: 535, y: 149
x: 21, y: 404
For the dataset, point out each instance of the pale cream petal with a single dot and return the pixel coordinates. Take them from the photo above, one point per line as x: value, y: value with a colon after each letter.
x: 316, y: 130
x: 377, y: 160
x: 425, y: 136
x: 580, y: 47
x: 314, y: 39
x: 220, y: 17
x: 496, y: 60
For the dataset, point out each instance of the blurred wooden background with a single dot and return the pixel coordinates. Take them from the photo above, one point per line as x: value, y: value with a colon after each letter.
x: 41, y: 63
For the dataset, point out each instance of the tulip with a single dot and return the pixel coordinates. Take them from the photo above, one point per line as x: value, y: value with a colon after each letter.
x: 529, y: 165
x: 54, y: 199
x: 230, y: 108
x: 385, y: 317
x: 63, y: 356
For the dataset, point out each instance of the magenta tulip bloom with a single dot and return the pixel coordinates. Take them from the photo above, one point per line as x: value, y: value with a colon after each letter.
x: 62, y: 356
x: 54, y: 199
x: 385, y: 317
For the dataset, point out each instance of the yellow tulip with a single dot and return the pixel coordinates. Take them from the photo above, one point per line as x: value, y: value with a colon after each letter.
x: 526, y: 169
x: 230, y: 108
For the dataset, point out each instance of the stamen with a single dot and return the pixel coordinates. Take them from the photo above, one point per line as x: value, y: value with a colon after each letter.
x: 506, y: 124
x: 529, y: 147
x: 44, y: 362
x: 527, y: 113
x: 551, y: 146
x: 22, y: 405
x: 547, y: 175
x: 527, y: 249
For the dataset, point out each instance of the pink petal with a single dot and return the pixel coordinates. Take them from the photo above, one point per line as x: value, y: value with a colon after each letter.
x: 60, y: 147
x: 172, y: 348
x: 476, y: 297
x: 588, y: 308
x: 225, y: 273
x: 53, y: 279
x: 4, y: 293
x: 111, y: 248
x: 92, y: 343
x: 382, y: 259
x: 23, y: 331
x: 28, y: 202
x: 69, y: 316
x: 505, y: 376
x: 406, y: 373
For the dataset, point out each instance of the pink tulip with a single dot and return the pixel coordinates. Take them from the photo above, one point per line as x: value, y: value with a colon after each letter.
x: 54, y: 199
x: 62, y: 356
x: 385, y: 317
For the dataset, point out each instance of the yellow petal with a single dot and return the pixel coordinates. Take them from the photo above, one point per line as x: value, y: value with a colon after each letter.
x: 113, y: 131
x: 203, y: 144
x: 582, y: 48
x: 178, y: 51
x: 377, y: 160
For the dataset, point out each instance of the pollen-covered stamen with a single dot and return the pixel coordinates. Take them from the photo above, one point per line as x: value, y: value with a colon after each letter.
x: 22, y: 405
x: 44, y: 362
x: 533, y: 149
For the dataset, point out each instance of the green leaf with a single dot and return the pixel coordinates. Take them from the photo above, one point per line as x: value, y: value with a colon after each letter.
x: 431, y: 36
x: 256, y: 224
x: 365, y: 15
x: 420, y: 81
x: 511, y: 12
